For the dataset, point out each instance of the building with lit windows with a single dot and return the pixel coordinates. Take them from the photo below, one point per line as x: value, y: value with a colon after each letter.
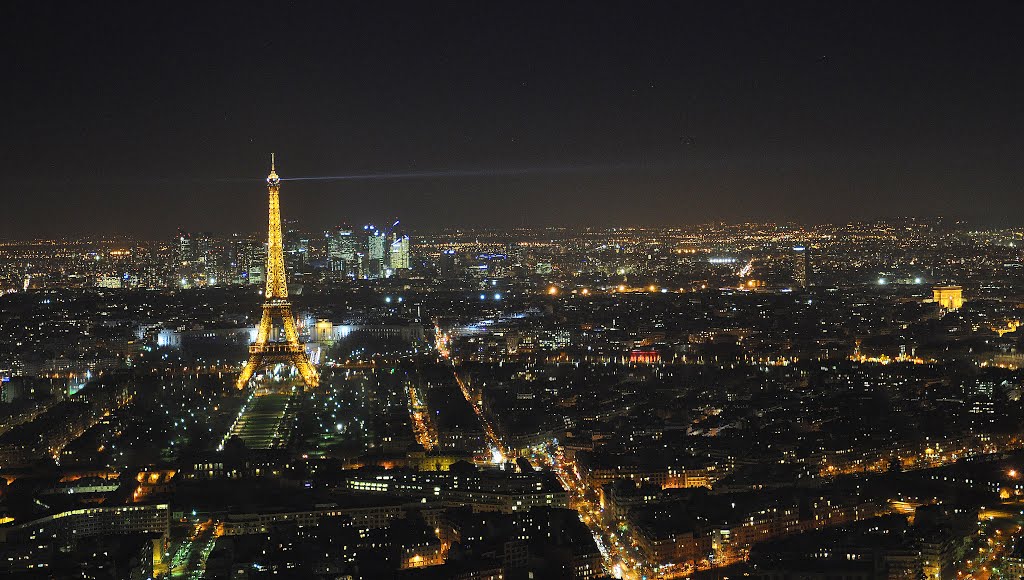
x: 485, y: 490
x: 33, y: 546
x: 367, y: 516
x: 398, y: 257
x: 802, y: 272
x: 92, y: 522
x: 342, y: 251
x: 376, y: 252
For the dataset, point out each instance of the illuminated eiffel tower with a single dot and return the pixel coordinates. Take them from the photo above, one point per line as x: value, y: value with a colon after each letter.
x: 264, y: 351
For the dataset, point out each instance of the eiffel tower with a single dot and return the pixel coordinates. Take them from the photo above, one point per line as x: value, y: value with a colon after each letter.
x: 264, y: 351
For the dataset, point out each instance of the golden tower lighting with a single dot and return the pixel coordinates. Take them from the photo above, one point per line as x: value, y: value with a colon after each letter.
x: 264, y: 351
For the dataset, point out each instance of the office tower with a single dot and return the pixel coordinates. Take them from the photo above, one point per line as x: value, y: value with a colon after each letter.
x: 398, y: 257
x: 250, y: 258
x: 448, y: 265
x: 376, y: 249
x: 296, y: 249
x: 201, y: 248
x: 342, y: 250
x: 185, y: 253
x: 802, y: 272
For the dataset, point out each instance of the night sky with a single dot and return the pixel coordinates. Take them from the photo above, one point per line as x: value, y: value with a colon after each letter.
x: 141, y: 118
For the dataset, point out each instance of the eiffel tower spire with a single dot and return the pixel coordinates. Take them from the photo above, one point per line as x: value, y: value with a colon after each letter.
x: 265, y: 351
x: 277, y: 286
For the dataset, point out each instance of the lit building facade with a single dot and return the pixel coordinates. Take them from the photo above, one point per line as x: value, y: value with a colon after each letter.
x: 398, y: 257
x: 376, y: 250
x: 802, y: 266
x: 948, y: 297
x: 342, y: 251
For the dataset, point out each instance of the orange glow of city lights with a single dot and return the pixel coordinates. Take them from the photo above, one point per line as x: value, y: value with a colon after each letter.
x: 1013, y: 473
x: 585, y: 291
x: 553, y: 290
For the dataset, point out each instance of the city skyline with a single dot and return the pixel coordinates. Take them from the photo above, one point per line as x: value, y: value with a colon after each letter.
x: 520, y: 291
x: 752, y: 398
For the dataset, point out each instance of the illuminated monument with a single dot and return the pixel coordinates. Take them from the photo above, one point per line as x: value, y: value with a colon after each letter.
x: 265, y: 351
x: 948, y: 297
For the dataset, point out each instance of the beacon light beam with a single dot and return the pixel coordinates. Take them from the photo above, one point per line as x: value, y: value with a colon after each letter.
x: 445, y: 173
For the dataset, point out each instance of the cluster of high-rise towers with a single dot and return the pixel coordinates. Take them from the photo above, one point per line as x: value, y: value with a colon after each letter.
x: 363, y: 253
x: 369, y: 252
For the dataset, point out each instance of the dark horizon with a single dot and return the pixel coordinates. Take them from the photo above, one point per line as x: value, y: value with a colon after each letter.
x: 137, y: 121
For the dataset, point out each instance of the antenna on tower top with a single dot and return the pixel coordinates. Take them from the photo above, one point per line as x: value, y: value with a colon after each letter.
x: 273, y: 179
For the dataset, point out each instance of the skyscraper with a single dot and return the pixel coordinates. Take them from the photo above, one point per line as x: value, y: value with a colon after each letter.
x: 342, y: 250
x: 376, y: 248
x: 201, y: 248
x: 296, y: 249
x: 398, y: 257
x: 252, y: 255
x: 802, y: 272
x: 185, y: 249
x: 448, y: 264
